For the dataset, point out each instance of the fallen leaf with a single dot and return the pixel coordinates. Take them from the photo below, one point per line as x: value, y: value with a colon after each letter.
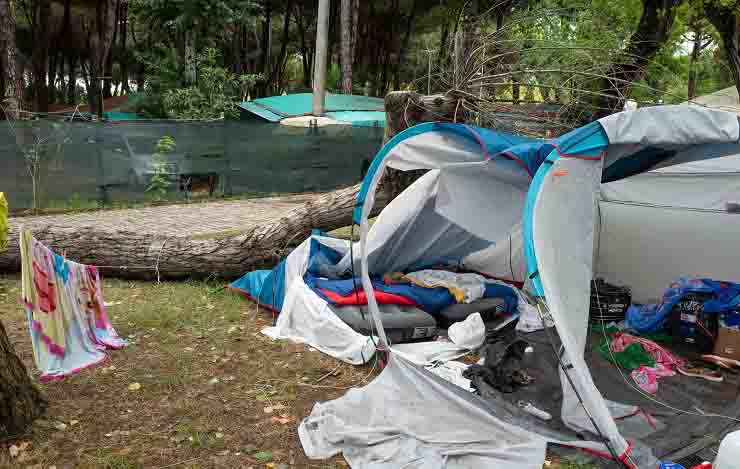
x: 282, y: 420
x: 219, y: 435
x: 60, y: 426
x: 14, y: 451
x: 263, y: 456
x: 134, y: 386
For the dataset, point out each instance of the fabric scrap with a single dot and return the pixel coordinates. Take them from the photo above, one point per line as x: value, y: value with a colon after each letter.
x: 503, y: 366
x: 65, y: 310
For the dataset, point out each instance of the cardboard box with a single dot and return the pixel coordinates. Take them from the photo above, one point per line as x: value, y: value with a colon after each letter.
x: 727, y: 343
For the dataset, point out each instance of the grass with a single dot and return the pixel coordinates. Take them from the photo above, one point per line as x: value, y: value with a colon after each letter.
x: 207, y: 378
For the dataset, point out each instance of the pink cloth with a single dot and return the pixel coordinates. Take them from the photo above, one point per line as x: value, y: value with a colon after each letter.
x: 662, y: 356
x: 647, y: 377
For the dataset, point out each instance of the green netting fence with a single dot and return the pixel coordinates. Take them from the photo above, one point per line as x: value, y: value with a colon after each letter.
x: 84, y: 164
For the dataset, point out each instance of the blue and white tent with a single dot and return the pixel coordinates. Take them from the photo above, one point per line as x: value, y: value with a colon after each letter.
x: 639, y: 198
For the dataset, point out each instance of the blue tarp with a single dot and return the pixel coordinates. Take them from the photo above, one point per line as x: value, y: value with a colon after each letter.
x: 652, y: 318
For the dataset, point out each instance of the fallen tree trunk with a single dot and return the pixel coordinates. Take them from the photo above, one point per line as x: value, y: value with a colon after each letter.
x: 132, y: 255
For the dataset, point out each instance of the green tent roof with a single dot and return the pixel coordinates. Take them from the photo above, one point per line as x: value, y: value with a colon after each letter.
x: 358, y: 110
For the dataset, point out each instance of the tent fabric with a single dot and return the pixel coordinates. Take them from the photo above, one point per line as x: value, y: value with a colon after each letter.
x: 398, y: 421
x: 518, y: 209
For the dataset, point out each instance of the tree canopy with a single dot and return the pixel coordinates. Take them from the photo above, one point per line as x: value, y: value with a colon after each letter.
x: 600, y: 51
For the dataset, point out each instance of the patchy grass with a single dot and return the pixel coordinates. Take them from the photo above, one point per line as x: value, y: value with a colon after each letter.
x: 215, y: 393
x: 206, y: 376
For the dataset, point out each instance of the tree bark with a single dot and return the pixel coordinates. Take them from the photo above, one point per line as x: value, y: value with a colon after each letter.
x: 305, y: 52
x: 651, y: 33
x: 20, y: 401
x: 9, y: 77
x: 346, y: 48
x: 405, y: 44
x: 322, y: 46
x: 101, y: 38
x: 123, y: 47
x: 266, y: 65
x: 726, y: 20
x: 186, y: 257
x: 72, y: 78
x: 279, y: 65
x: 52, y: 88
x: 108, y: 82
x: 190, y: 74
x: 40, y: 54
x: 693, y: 59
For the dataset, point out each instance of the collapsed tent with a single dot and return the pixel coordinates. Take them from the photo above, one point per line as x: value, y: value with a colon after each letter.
x: 609, y: 199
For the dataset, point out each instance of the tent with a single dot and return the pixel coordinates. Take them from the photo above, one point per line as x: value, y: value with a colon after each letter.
x: 639, y: 198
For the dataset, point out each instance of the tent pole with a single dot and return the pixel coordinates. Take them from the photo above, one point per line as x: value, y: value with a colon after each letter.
x: 563, y: 367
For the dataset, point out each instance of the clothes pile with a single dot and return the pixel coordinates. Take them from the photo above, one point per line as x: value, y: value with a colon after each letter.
x: 430, y: 290
x: 66, y: 313
x: 503, y: 365
x: 644, y: 359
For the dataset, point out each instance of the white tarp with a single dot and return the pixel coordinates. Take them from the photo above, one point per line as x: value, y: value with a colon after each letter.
x: 307, y: 318
x: 409, y: 418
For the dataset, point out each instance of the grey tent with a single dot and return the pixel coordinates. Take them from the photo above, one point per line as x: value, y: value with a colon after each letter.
x: 639, y: 197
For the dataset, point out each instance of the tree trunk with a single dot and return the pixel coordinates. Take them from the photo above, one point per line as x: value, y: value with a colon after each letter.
x: 123, y: 49
x: 10, y: 93
x: 693, y: 59
x: 52, y: 93
x: 190, y: 74
x: 40, y: 54
x: 100, y: 44
x: 726, y: 21
x: 108, y: 82
x: 354, y: 31
x: 652, y: 32
x: 405, y: 44
x: 266, y: 65
x: 185, y: 257
x: 322, y: 39
x: 346, y: 49
x: 71, y: 79
x: 20, y: 401
x: 305, y: 55
x: 279, y: 65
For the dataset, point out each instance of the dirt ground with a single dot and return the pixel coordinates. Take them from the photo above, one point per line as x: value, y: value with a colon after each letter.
x: 198, y: 387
